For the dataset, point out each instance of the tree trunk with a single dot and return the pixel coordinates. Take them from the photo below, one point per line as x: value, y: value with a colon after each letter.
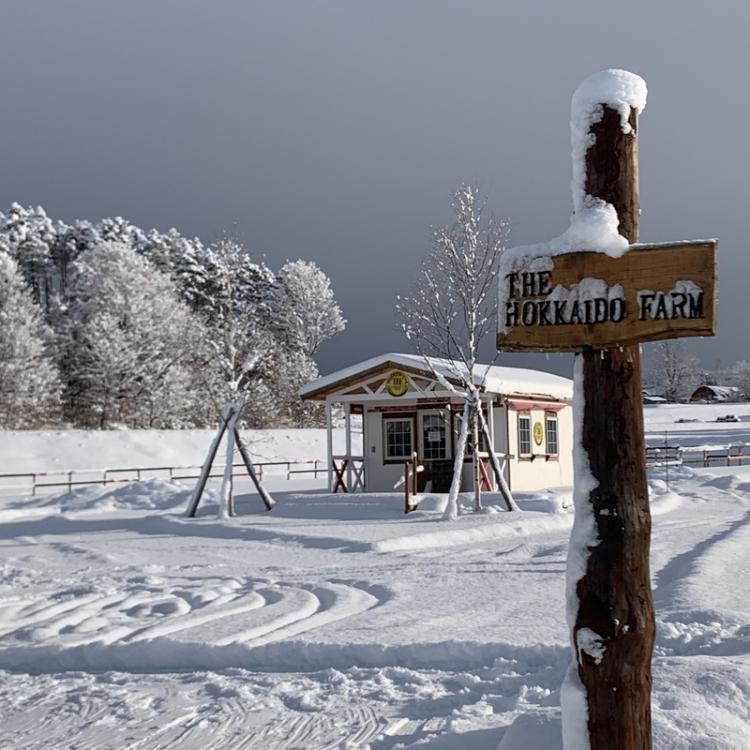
x: 451, y: 509
x: 475, y: 454
x: 613, y: 633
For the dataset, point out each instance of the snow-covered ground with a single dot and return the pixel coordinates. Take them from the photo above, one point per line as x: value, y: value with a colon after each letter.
x: 335, y: 621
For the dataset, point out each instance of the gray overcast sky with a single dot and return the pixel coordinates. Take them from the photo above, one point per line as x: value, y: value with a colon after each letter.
x: 335, y: 131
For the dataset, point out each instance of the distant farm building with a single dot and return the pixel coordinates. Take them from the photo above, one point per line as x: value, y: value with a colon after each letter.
x: 409, y: 409
x: 716, y: 394
x: 652, y: 397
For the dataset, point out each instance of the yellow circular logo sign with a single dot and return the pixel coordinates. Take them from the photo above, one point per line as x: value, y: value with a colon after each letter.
x: 397, y: 383
x: 538, y: 433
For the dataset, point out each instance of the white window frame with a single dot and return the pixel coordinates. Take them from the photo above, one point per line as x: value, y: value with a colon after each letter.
x: 524, y: 416
x: 551, y: 417
x: 447, y: 422
x: 406, y: 457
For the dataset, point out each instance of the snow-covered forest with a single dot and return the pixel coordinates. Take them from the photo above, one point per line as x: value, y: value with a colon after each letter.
x: 105, y: 324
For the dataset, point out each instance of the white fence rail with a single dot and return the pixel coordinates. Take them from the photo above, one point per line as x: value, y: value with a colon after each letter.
x: 736, y: 454
x: 34, y: 483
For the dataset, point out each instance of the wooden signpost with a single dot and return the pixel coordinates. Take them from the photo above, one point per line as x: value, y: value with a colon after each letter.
x: 603, y: 307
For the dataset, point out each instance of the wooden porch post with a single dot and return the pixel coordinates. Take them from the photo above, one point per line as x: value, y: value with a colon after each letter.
x: 348, y: 420
x: 329, y: 443
x: 491, y: 426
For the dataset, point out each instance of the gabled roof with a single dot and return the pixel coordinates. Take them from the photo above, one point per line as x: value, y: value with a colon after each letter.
x: 508, y: 381
x: 722, y: 392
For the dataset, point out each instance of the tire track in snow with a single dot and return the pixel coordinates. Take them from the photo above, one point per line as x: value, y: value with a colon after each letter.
x: 335, y: 602
x: 700, y: 594
x: 144, y: 624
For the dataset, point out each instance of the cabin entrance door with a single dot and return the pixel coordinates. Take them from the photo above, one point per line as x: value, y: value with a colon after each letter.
x: 434, y: 446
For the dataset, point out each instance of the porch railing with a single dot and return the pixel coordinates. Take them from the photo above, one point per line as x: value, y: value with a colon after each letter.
x: 348, y: 473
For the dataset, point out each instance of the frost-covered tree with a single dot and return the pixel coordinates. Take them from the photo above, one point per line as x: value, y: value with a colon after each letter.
x: 29, y: 382
x: 248, y: 326
x: 69, y: 243
x: 275, y: 399
x: 131, y: 343
x: 173, y: 254
x: 451, y: 310
x: 741, y: 377
x: 672, y: 369
x: 231, y: 293
x: 117, y: 229
x: 28, y: 234
x: 305, y: 312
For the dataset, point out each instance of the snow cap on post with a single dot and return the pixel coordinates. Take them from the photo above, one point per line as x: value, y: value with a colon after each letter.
x: 617, y: 89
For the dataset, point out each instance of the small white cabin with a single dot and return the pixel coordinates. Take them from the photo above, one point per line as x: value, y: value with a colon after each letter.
x: 406, y: 409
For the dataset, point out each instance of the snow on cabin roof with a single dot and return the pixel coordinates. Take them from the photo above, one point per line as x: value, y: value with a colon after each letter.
x: 508, y: 381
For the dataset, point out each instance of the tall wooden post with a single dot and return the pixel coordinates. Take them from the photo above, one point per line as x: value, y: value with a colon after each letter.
x: 615, y: 601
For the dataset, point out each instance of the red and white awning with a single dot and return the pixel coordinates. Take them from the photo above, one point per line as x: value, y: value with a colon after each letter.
x: 521, y: 404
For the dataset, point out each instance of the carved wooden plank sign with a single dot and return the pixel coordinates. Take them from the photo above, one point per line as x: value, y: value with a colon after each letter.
x: 582, y: 301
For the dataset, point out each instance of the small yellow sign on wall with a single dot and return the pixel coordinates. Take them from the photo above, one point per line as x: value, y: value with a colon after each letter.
x: 397, y: 383
x: 538, y: 433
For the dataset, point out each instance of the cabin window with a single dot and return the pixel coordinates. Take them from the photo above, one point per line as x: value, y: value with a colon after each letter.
x: 434, y: 429
x: 524, y: 434
x: 399, y: 437
x: 551, y: 432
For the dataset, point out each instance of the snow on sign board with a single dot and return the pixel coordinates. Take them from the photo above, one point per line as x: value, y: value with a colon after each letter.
x: 578, y: 301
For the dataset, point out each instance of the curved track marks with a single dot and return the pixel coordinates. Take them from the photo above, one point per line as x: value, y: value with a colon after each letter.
x: 147, y: 612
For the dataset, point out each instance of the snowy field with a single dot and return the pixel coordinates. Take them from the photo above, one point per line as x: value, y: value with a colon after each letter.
x: 335, y: 621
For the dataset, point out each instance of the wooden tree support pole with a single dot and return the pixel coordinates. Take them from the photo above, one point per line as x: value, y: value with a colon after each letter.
x: 502, y: 485
x: 206, y: 470
x: 406, y: 487
x: 264, y: 495
x: 614, y: 596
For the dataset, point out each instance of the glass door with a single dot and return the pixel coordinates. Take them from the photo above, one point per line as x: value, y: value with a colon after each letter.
x: 433, y: 434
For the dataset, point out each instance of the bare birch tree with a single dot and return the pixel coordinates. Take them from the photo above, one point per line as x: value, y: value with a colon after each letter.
x: 450, y: 311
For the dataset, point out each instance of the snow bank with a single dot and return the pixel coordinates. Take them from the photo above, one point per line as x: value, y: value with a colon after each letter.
x: 503, y: 528
x: 165, y: 654
x: 152, y: 494
x: 47, y: 450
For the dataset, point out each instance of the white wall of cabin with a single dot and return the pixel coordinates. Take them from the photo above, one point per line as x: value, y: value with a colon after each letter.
x: 539, y: 473
x: 379, y: 477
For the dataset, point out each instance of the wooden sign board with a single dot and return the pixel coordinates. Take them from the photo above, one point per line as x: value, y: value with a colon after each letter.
x: 581, y: 301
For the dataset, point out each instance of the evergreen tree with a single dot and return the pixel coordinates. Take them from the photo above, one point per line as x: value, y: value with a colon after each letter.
x: 231, y: 293
x: 27, y: 234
